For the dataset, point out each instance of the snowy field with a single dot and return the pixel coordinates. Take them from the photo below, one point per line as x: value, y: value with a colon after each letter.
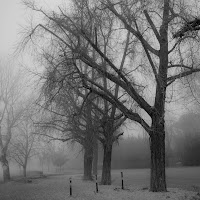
x: 183, y: 184
x: 182, y: 177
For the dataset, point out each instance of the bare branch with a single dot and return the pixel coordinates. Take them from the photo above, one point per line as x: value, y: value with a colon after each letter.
x: 179, y: 65
x: 53, y: 138
x: 134, y: 32
x: 152, y: 25
x: 181, y: 75
x: 128, y: 113
x: 127, y: 87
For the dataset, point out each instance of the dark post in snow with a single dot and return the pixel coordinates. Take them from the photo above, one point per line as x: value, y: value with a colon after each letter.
x: 122, y: 180
x: 70, y: 186
x: 97, y: 190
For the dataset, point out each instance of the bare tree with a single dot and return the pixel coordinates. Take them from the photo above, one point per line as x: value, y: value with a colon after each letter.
x: 44, y: 154
x: 81, y: 117
x: 110, y: 117
x: 66, y: 123
x: 59, y: 158
x: 10, y: 112
x: 25, y: 144
x: 160, y: 59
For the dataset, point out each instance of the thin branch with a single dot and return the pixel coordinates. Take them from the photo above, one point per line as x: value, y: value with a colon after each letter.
x: 171, y: 79
x: 115, y: 138
x: 54, y: 138
x: 180, y: 65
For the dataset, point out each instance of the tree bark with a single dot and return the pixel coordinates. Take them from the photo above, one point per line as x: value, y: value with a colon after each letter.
x: 157, y: 136
x: 106, y: 170
x: 88, y: 158
x: 157, y: 147
x: 6, y: 169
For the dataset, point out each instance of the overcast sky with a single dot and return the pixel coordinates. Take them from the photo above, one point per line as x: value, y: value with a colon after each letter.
x: 13, y: 15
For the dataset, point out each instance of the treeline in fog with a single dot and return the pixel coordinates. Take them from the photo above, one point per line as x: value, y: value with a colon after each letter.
x: 182, y: 146
x: 132, y: 152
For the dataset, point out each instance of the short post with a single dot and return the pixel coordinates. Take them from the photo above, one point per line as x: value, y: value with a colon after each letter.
x: 70, y: 186
x: 122, y: 181
x: 97, y: 190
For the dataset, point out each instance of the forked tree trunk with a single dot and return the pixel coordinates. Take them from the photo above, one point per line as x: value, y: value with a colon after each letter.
x: 6, y: 169
x: 88, y: 158
x: 157, y: 146
x: 106, y: 170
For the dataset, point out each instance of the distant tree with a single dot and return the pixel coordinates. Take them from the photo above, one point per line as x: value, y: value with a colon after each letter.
x: 11, y: 110
x: 59, y: 158
x: 191, y: 149
x: 133, y: 152
x: 44, y: 154
x: 25, y: 144
x: 169, y: 139
x: 187, y: 139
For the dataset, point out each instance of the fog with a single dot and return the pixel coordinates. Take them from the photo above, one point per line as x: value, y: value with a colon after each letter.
x: 72, y: 160
x: 92, y: 89
x: 182, y: 149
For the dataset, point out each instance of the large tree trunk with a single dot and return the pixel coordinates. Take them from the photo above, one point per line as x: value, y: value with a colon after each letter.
x: 88, y: 158
x: 157, y: 146
x: 6, y: 169
x: 158, y: 181
x: 106, y: 170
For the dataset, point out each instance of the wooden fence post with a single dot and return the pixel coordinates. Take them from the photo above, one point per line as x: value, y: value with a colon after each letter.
x: 122, y: 181
x: 70, y: 186
x: 97, y: 189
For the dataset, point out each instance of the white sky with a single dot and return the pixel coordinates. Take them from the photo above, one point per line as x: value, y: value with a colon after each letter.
x: 13, y: 15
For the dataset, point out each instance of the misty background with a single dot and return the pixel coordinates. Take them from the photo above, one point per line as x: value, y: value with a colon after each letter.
x: 131, y: 150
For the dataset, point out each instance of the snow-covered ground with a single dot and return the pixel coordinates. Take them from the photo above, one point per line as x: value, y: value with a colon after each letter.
x: 135, y: 181
x: 112, y: 193
x: 85, y: 190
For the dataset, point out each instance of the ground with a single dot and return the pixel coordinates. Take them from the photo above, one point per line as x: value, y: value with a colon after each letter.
x: 183, y: 184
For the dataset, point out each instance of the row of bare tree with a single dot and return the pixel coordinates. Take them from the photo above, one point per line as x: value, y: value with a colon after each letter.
x: 107, y: 61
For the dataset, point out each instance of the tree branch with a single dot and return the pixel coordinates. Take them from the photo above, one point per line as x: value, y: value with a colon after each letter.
x: 180, y: 65
x: 134, y: 32
x: 128, y: 113
x: 171, y: 79
x: 116, y: 137
x: 127, y: 87
x: 152, y: 25
x: 54, y: 138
